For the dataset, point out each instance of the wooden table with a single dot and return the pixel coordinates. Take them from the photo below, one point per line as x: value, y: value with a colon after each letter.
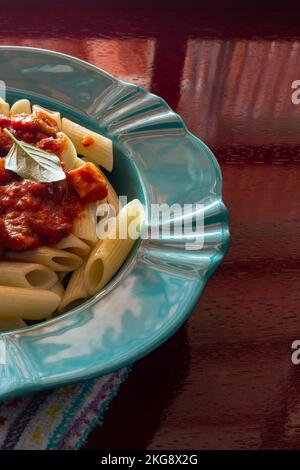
x: 226, y: 379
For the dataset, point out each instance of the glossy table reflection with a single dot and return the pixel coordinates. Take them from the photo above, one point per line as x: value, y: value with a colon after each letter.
x: 226, y: 379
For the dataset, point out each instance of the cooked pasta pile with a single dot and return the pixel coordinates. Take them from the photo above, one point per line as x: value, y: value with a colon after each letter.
x: 51, y: 189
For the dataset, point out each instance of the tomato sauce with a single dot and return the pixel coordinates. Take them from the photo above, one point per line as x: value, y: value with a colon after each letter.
x: 34, y: 214
x: 33, y: 129
x: 88, y: 140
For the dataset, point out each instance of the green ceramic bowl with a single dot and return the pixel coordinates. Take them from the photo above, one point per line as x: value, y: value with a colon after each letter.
x: 157, y: 160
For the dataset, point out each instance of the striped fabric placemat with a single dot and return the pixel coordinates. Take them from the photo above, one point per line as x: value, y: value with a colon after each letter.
x: 60, y: 418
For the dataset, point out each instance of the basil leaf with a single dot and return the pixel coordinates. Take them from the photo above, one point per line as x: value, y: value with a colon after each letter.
x: 33, y: 163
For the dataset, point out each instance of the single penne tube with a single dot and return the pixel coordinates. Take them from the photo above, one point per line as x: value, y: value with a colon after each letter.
x: 8, y: 324
x: 58, y: 289
x: 19, y: 107
x: 57, y: 260
x: 95, y: 147
x: 69, y: 153
x: 110, y: 253
x: 75, y: 292
x: 112, y: 197
x: 4, y: 107
x: 17, y: 274
x: 84, y: 226
x: 52, y: 114
x: 29, y: 304
x: 73, y: 244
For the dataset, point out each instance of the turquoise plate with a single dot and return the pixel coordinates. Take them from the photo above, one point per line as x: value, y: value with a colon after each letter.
x: 157, y: 160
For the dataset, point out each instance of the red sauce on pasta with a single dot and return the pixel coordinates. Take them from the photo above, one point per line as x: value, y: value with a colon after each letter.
x: 34, y: 214
x: 34, y: 129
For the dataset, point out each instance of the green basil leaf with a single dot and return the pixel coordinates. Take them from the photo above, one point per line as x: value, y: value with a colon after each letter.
x: 33, y: 163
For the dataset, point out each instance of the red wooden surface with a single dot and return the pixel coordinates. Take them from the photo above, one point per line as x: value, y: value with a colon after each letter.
x: 226, y: 379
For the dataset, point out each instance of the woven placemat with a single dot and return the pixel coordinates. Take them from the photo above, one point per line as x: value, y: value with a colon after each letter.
x: 60, y: 418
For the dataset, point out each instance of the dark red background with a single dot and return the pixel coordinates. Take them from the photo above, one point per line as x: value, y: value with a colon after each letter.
x: 226, y: 379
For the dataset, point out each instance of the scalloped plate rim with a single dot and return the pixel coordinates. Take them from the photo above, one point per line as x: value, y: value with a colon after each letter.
x: 186, y: 310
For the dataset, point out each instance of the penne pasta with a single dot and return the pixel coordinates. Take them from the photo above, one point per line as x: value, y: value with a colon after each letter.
x: 73, y: 244
x: 30, y: 275
x: 19, y: 107
x: 30, y: 304
x: 109, y: 254
x: 58, y: 289
x: 75, y: 292
x: 52, y: 114
x: 72, y: 215
x: 58, y: 260
x: 98, y: 148
x: 4, y: 107
x: 112, y: 197
x: 69, y: 154
x: 8, y: 324
x: 84, y: 227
